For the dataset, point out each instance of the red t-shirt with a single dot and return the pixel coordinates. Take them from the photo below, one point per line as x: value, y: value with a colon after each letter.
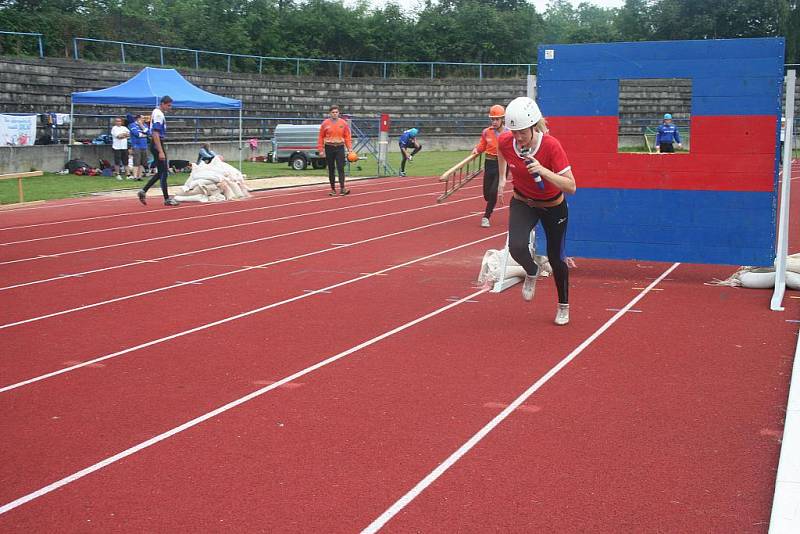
x: 549, y: 153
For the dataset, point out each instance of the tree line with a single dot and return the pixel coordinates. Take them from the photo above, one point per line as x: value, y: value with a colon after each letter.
x: 486, y: 31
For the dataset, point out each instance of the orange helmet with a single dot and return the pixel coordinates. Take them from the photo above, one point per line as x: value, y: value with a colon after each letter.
x: 497, y: 112
x: 352, y: 157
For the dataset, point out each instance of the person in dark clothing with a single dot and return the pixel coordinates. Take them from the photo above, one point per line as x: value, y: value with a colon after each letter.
x: 158, y: 126
x: 408, y: 139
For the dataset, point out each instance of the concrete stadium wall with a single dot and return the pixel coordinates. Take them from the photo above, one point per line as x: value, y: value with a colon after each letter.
x: 438, y: 107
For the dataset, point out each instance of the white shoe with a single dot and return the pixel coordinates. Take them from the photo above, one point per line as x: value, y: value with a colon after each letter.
x: 119, y: 177
x: 410, y: 158
x: 485, y: 222
x: 528, y: 287
x: 562, y: 315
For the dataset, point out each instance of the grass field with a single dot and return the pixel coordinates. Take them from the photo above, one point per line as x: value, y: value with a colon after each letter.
x: 51, y: 186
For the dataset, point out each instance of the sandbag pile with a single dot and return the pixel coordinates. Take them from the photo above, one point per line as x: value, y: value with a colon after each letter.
x: 213, y: 182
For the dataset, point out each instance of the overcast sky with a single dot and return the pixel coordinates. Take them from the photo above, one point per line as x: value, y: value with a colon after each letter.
x: 540, y: 5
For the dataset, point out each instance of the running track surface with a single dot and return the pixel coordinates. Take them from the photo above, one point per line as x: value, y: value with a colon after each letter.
x: 375, y: 366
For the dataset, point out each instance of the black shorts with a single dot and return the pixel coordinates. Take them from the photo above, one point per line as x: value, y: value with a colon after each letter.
x: 666, y: 147
x: 121, y: 156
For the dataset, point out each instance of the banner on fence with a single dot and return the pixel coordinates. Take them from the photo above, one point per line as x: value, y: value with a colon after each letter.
x: 17, y: 130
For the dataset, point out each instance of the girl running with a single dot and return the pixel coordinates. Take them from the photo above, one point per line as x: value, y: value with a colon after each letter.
x: 541, y: 175
x: 491, y: 174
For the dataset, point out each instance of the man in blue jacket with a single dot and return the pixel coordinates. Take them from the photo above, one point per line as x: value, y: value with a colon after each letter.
x: 667, y: 135
x: 139, y: 136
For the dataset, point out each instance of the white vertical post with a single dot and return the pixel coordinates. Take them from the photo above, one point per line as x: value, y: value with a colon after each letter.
x: 240, y: 134
x: 69, y: 137
x: 783, y: 218
x: 531, y: 88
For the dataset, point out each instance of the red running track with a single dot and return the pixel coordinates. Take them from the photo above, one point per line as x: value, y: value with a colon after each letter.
x: 669, y: 420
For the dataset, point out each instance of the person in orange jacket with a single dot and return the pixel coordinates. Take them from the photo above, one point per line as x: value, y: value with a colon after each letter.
x: 334, y: 136
x: 491, y: 171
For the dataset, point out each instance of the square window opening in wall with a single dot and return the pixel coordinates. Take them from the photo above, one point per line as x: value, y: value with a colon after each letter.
x: 655, y: 115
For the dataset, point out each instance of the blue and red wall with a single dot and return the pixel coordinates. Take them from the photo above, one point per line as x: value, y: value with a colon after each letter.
x: 716, y: 204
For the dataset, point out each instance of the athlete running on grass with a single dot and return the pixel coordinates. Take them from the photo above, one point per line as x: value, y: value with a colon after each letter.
x: 541, y: 174
x: 491, y: 176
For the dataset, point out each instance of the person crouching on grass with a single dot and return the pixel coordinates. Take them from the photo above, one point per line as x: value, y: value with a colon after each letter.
x: 334, y: 135
x: 542, y: 174
x: 491, y: 175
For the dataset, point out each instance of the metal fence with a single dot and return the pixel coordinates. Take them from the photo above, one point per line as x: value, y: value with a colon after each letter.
x: 127, y: 52
x: 16, y: 41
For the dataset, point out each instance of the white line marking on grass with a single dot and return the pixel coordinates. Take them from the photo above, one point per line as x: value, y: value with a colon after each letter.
x: 222, y: 409
x: 228, y: 273
x: 228, y: 245
x: 404, y: 501
x: 194, y: 217
x: 215, y: 228
x: 235, y: 317
x: 258, y: 196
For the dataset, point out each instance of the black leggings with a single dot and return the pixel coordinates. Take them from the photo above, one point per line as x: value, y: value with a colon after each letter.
x: 162, y: 167
x: 417, y: 147
x: 334, y: 155
x: 521, y: 220
x: 491, y: 181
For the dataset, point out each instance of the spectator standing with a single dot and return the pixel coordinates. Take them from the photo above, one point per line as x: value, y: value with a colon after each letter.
x: 253, y: 142
x: 667, y: 135
x: 408, y: 139
x: 491, y: 171
x: 158, y: 126
x: 119, y: 142
x: 334, y: 136
x: 139, y: 136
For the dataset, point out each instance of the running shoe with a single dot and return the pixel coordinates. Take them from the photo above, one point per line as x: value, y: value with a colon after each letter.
x: 332, y: 193
x: 562, y: 315
x: 345, y: 192
x: 142, y: 197
x: 485, y: 222
x: 402, y: 173
x: 171, y: 202
x: 529, y: 287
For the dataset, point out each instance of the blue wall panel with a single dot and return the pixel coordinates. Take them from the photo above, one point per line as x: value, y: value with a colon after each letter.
x: 666, y: 225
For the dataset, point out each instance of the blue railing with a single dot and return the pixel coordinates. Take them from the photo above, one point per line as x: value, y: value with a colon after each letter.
x: 38, y: 36
x: 383, y: 66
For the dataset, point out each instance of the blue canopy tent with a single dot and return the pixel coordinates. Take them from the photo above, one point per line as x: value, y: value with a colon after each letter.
x: 146, y: 89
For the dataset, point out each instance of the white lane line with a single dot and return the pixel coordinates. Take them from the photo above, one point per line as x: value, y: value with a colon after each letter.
x: 629, y: 311
x: 205, y: 216
x: 235, y: 317
x: 305, y: 189
x: 785, y: 514
x: 212, y: 229
x: 224, y: 408
x: 404, y: 501
x: 228, y: 245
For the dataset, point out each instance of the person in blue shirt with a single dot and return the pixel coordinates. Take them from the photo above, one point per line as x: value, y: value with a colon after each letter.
x: 667, y: 135
x: 205, y: 154
x: 408, y: 139
x: 139, y: 137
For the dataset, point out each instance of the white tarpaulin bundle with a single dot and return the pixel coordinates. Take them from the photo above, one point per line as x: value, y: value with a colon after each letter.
x: 763, y: 277
x: 17, y: 130
x: 213, y: 182
x: 492, y: 267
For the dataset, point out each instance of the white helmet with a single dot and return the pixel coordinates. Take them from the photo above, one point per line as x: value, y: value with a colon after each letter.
x: 521, y: 113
